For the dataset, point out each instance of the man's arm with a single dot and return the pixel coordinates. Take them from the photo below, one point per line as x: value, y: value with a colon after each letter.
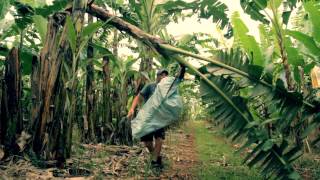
x: 137, y: 100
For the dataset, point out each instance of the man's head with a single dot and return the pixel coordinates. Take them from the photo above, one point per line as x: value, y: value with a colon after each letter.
x: 162, y: 73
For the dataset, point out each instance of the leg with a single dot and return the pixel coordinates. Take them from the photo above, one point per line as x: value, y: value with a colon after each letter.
x: 149, y: 145
x: 159, y: 136
x: 157, y: 148
x: 148, y: 142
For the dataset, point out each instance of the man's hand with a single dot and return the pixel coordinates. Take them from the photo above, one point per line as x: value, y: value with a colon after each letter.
x: 182, y: 71
x: 135, y: 102
x: 182, y: 65
x: 130, y: 114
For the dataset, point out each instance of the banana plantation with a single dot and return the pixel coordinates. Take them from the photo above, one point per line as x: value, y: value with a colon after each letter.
x: 72, y: 73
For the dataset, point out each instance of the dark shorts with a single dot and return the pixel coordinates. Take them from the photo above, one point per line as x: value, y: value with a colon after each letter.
x: 156, y: 134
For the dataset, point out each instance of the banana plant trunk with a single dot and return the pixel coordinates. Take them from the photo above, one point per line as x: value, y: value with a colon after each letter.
x: 53, y: 117
x: 117, y: 93
x: 78, y: 10
x: 10, y: 105
x: 35, y: 96
x: 48, y: 89
x: 123, y: 132
x: 106, y: 101
x: 146, y: 67
x: 90, y: 130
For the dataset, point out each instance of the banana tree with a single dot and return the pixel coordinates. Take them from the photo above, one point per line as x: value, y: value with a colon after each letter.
x: 148, y: 18
x: 89, y: 133
x: 278, y: 45
x: 10, y: 106
x: 57, y: 88
x: 123, y: 75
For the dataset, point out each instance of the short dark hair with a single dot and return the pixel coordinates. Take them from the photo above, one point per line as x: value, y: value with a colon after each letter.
x: 162, y: 71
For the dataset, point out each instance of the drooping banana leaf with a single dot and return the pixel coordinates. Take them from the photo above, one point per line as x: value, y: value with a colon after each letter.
x: 273, y: 157
x: 272, y: 154
x: 222, y: 111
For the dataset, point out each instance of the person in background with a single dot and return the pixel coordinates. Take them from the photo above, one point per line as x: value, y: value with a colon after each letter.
x: 158, y: 135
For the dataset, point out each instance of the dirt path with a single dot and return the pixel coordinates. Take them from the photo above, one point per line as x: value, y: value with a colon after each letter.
x: 180, y: 150
x: 99, y: 161
x: 215, y: 160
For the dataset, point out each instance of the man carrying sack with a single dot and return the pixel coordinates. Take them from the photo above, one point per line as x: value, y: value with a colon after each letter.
x: 162, y: 107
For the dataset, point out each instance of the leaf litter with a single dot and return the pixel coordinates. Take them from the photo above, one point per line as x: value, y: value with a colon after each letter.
x: 101, y: 161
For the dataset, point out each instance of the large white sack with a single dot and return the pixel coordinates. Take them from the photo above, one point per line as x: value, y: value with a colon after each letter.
x: 162, y: 109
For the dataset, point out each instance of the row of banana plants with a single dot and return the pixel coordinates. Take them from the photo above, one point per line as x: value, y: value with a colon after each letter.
x: 66, y: 73
x: 61, y: 76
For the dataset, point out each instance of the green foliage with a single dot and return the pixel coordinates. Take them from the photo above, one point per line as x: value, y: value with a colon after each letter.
x: 312, y: 7
x: 265, y: 37
x: 268, y: 45
x: 273, y: 151
x: 246, y: 41
x: 33, y: 3
x: 215, y: 10
x: 294, y: 57
x: 26, y: 56
x: 26, y: 61
x: 28, y: 12
x: 4, y: 51
x: 206, y: 8
x: 225, y: 106
x: 41, y: 26
x: 71, y: 34
x: 188, y: 42
x: 4, y: 6
x: 102, y: 51
x: 46, y: 10
x: 254, y: 8
x: 90, y: 29
x: 146, y: 16
x: 24, y: 15
x: 306, y: 40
